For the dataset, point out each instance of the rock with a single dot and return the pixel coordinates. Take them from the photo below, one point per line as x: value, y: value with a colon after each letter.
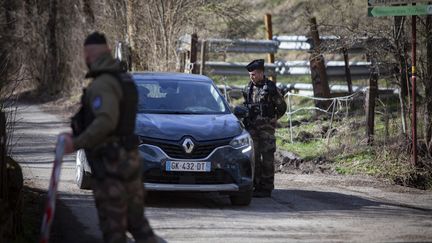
x: 304, y: 136
x: 288, y: 162
x: 286, y: 156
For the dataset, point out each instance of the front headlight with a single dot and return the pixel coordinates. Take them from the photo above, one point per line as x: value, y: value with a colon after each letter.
x: 242, y: 141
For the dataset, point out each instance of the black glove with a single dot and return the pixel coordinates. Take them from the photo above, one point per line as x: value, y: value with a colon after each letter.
x: 271, y: 89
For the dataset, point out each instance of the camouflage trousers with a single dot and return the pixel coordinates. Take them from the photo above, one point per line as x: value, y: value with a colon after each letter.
x: 119, y: 200
x: 264, y: 146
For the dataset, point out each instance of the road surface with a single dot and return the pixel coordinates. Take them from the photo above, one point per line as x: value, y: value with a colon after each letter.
x: 304, y: 208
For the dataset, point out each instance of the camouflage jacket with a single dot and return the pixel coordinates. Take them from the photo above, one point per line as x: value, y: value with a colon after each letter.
x: 265, y: 103
x: 103, y: 96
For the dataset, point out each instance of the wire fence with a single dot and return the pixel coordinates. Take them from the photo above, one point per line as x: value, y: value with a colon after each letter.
x: 337, y: 105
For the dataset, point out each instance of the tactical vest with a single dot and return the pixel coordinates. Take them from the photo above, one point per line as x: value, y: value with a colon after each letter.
x: 127, y: 115
x: 265, y: 107
x: 128, y: 106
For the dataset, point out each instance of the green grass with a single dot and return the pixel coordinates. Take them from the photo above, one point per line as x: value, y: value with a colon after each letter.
x: 356, y: 163
x: 348, y: 154
x: 379, y: 162
x: 306, y: 151
x: 388, y: 158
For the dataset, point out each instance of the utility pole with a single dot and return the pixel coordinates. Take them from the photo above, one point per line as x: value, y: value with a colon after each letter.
x: 269, y: 36
x: 413, y: 90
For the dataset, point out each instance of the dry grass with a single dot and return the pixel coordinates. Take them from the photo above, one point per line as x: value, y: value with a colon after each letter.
x: 346, y: 149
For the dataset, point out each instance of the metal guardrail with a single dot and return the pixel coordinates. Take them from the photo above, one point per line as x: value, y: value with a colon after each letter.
x: 286, y: 42
x: 228, y: 45
x: 293, y: 42
x: 233, y: 68
x: 242, y: 45
x: 335, y: 69
x: 328, y: 43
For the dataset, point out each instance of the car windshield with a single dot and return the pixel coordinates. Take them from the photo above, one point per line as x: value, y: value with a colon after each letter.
x: 179, y: 97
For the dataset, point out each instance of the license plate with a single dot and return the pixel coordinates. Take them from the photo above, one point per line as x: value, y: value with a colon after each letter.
x: 188, y: 166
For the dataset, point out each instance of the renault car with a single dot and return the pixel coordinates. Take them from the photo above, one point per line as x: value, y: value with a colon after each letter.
x: 190, y: 140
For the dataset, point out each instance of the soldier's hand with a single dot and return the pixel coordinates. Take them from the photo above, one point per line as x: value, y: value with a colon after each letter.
x: 68, y: 143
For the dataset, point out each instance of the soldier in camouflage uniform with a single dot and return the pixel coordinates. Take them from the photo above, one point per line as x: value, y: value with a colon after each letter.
x: 104, y: 128
x: 266, y: 105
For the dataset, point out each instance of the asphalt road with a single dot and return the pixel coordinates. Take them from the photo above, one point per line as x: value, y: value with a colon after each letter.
x: 304, y: 208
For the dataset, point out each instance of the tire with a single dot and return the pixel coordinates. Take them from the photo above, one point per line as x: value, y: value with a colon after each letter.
x: 241, y: 198
x: 82, y: 177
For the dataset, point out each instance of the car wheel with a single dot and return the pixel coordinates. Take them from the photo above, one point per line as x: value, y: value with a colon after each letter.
x: 241, y: 198
x: 82, y: 178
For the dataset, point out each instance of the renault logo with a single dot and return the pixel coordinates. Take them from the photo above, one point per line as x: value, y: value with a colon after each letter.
x: 188, y: 145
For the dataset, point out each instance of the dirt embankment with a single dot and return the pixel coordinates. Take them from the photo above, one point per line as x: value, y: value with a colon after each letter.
x: 290, y: 163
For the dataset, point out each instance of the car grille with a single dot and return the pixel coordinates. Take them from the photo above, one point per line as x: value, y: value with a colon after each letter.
x: 174, y: 149
x: 217, y: 176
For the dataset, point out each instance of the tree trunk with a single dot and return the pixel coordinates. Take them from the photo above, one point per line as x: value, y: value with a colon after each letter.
x: 371, y: 95
x: 3, y: 176
x: 400, y: 42
x: 428, y: 85
x: 318, y: 70
x: 399, y: 36
x: 51, y: 80
x: 129, y: 35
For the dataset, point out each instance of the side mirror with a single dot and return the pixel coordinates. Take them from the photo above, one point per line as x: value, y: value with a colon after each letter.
x: 241, y: 112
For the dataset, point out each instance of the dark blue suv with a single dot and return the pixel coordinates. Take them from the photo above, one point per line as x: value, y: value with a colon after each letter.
x: 190, y: 139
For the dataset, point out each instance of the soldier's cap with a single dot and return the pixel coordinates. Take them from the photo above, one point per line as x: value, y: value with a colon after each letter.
x: 95, y: 38
x: 257, y: 64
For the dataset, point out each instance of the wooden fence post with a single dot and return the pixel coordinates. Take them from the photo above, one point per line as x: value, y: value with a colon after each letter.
x: 347, y: 71
x: 371, y: 95
x: 269, y: 36
x: 318, y: 70
x: 193, y: 53
x: 203, y: 56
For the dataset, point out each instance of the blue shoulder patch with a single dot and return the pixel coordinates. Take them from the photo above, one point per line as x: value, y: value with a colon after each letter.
x: 97, y: 103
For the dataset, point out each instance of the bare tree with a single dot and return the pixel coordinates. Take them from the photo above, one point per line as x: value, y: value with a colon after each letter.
x: 426, y: 77
x: 157, y: 25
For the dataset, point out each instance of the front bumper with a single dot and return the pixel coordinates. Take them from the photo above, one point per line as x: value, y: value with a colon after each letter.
x: 231, y: 171
x: 231, y: 187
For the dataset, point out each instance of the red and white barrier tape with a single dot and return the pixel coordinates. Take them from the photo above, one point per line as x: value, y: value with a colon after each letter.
x: 52, y: 191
